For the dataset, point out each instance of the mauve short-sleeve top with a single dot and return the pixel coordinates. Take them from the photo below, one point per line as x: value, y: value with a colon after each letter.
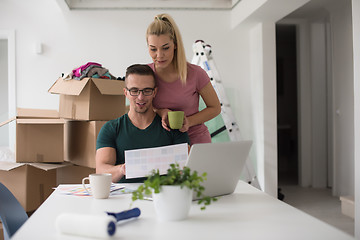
x: 179, y: 97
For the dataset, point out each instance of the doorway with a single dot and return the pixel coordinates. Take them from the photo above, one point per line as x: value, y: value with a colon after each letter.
x: 4, y: 102
x: 287, y: 111
x: 304, y: 104
x: 8, y: 88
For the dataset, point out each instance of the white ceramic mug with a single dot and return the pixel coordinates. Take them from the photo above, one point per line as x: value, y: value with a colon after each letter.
x: 100, y: 185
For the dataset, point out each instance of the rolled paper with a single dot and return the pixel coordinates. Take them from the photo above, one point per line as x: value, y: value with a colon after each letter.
x: 135, y: 212
x: 86, y: 225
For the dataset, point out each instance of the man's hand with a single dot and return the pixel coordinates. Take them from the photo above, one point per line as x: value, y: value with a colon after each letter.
x: 122, y: 169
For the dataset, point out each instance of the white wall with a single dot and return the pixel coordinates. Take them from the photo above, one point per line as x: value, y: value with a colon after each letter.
x: 304, y: 105
x: 4, y: 130
x: 8, y: 82
x: 342, y: 73
x: 257, y: 81
x: 318, y: 91
x: 263, y: 103
x: 114, y: 38
x: 356, y: 64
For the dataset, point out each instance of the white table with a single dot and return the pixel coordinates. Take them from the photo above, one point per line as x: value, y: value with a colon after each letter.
x: 246, y: 214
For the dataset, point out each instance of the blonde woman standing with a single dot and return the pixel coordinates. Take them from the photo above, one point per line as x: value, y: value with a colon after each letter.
x: 180, y: 83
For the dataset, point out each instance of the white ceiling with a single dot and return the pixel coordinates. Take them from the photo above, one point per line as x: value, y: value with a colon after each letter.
x: 149, y: 4
x: 313, y: 6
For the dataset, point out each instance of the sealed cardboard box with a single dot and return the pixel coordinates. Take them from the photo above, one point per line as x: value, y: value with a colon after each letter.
x: 80, y: 142
x: 31, y: 183
x: 39, y: 136
x: 72, y: 174
x: 90, y: 98
x: 29, y: 113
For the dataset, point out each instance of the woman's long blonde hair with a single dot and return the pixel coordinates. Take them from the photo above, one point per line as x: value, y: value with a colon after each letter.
x: 165, y: 24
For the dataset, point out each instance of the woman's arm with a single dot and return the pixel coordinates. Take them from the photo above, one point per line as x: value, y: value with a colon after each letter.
x: 213, y: 108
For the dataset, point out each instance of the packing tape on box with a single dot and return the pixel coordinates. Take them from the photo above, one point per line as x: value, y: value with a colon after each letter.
x: 86, y: 225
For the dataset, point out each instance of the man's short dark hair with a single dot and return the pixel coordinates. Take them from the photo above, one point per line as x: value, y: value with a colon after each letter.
x: 140, y: 69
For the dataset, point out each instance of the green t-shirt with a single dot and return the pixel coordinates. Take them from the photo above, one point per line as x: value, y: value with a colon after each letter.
x: 122, y: 135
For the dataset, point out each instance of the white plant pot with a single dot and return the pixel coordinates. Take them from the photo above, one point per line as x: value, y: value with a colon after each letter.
x: 172, y: 203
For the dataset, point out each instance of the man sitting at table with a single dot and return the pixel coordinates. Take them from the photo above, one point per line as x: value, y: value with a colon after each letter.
x: 139, y: 128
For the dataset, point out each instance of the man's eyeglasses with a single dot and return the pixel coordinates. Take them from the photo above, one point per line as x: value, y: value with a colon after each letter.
x: 145, y: 91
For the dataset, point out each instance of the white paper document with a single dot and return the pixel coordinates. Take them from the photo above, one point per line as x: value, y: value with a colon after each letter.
x: 140, y: 162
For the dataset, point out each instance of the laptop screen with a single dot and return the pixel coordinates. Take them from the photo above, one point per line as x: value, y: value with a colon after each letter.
x: 223, y: 163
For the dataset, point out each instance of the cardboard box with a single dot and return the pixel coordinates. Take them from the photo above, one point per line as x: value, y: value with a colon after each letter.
x: 39, y: 136
x: 1, y: 231
x: 72, y: 174
x: 80, y: 142
x: 90, y: 98
x: 28, y: 113
x: 31, y: 183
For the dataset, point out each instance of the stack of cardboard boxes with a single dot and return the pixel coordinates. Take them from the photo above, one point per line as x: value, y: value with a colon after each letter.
x: 57, y: 147
x: 87, y: 105
x: 39, y: 145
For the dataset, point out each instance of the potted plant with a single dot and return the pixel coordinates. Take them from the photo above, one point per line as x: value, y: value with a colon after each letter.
x: 172, y: 193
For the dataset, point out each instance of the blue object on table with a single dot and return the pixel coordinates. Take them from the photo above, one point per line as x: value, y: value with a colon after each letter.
x: 111, y: 229
x: 12, y: 214
x: 135, y: 212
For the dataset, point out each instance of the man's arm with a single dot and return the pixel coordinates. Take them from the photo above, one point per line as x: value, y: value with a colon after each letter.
x: 105, y: 163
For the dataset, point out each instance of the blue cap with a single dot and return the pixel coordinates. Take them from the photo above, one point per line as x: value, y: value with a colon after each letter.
x: 111, y: 228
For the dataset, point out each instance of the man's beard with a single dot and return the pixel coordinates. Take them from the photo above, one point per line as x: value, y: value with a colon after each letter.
x: 141, y: 111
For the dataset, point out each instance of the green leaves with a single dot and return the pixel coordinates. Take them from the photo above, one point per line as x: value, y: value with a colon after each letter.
x: 175, y: 176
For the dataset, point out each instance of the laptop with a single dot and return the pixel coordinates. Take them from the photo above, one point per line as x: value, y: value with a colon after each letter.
x: 223, y: 163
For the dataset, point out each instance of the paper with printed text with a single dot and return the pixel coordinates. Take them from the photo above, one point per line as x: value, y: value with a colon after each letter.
x: 140, y: 162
